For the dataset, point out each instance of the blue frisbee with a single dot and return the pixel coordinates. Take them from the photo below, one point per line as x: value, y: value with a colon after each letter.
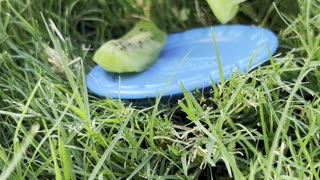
x: 189, y: 58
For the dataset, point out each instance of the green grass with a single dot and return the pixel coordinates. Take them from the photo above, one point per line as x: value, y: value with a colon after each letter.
x: 264, y: 124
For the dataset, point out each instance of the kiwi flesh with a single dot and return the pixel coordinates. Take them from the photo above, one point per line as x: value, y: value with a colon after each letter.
x: 134, y: 52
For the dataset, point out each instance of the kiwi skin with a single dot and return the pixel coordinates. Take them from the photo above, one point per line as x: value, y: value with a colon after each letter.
x: 136, y: 51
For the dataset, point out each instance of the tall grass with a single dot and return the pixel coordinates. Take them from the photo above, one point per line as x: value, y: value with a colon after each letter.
x: 263, y: 124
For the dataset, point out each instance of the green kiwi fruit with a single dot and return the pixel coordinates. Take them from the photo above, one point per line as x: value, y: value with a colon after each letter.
x: 134, y: 52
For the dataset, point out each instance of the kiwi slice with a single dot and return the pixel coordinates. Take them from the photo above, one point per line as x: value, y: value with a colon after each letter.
x: 224, y: 10
x: 134, y: 52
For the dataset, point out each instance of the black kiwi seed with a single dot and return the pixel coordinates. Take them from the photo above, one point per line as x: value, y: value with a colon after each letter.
x: 140, y: 44
x: 141, y: 29
x: 122, y: 48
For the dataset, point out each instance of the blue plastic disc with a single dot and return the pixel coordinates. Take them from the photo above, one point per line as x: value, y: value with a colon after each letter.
x: 189, y: 58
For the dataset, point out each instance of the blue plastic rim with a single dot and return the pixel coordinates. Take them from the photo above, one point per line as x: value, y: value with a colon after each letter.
x: 189, y: 58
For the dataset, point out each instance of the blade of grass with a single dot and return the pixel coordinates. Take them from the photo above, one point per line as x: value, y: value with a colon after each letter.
x: 283, y: 117
x: 218, y: 60
x: 141, y: 165
x: 110, y: 147
x: 19, y: 154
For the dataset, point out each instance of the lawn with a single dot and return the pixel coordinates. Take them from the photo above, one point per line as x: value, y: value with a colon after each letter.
x: 263, y: 124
